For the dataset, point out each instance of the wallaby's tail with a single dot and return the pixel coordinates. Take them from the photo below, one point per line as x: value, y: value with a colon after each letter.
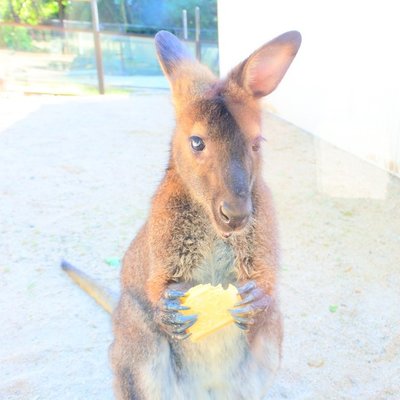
x: 104, y: 296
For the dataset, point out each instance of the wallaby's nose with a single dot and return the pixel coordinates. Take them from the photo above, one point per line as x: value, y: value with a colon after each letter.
x: 235, y: 214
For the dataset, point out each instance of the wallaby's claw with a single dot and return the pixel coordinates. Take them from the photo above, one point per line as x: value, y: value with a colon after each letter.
x: 178, y: 324
x: 249, y: 298
x: 243, y: 316
x: 242, y: 326
x: 174, y: 305
x: 247, y: 287
x: 178, y: 319
x: 244, y: 321
x: 183, y: 328
x: 254, y: 300
x: 173, y: 294
x: 242, y: 311
x: 170, y: 319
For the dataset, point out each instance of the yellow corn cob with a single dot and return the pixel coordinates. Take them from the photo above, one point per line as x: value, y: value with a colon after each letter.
x: 211, y: 304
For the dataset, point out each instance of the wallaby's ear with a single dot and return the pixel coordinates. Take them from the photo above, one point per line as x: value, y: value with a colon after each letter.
x: 261, y: 73
x: 171, y: 52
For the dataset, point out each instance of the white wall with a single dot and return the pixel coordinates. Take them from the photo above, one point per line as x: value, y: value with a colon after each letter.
x: 344, y: 85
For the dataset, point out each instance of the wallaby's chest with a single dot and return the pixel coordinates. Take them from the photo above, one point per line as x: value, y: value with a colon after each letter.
x: 217, y: 265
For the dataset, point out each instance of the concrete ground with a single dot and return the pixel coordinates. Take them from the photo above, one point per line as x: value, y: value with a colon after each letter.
x: 76, y: 176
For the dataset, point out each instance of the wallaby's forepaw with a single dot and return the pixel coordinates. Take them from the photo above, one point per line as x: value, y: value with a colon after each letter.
x: 170, y: 319
x: 254, y: 300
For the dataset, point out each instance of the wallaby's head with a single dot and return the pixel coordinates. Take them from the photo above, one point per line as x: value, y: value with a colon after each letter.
x: 215, y: 148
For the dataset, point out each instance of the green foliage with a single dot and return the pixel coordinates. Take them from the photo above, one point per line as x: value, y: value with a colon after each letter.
x: 31, y: 12
x: 15, y: 38
x: 137, y: 16
x: 79, y: 11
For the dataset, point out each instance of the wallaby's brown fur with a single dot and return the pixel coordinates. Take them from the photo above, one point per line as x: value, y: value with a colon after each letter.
x: 211, y: 221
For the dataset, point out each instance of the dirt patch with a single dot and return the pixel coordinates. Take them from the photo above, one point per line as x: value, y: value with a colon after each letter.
x: 76, y: 177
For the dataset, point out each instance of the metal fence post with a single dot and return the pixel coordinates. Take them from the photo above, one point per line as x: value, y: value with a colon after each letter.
x: 197, y: 39
x: 97, y: 46
x: 184, y: 25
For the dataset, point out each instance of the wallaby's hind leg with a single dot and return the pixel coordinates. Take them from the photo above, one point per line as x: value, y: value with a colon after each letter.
x: 141, y: 356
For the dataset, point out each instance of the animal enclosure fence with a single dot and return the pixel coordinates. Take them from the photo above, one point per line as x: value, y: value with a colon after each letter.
x: 62, y: 59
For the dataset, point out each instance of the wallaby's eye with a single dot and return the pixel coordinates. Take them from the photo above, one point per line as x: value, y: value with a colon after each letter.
x: 197, y: 143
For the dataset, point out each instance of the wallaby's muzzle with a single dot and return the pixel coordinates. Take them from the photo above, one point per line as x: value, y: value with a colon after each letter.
x: 235, y: 214
x: 234, y: 205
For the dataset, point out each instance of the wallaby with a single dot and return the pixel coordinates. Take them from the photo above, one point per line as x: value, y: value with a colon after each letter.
x: 211, y: 221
